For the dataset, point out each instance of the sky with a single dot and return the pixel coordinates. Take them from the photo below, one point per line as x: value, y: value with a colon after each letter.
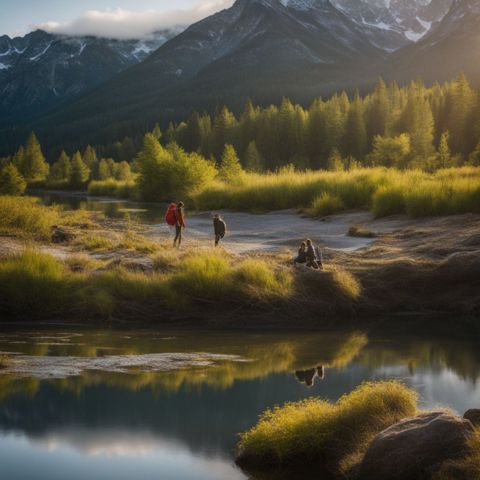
x: 111, y: 18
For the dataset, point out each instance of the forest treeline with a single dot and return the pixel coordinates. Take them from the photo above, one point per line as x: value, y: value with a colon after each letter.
x: 402, y: 127
x: 413, y: 126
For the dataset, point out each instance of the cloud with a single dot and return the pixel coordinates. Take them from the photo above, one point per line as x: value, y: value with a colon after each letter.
x: 122, y: 24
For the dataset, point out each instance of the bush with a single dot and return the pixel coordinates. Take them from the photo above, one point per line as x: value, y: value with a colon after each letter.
x: 11, y: 182
x: 113, y: 188
x: 316, y: 432
x: 259, y: 279
x: 26, y: 217
x: 327, y: 204
x: 167, y: 173
x: 33, y: 282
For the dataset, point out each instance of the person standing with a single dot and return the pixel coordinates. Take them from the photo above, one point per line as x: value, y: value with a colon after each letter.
x: 179, y: 224
x: 219, y: 228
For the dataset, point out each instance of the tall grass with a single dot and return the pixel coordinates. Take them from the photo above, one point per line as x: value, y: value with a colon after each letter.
x: 315, y: 431
x: 26, y: 217
x: 113, y: 188
x: 34, y: 283
x: 384, y: 191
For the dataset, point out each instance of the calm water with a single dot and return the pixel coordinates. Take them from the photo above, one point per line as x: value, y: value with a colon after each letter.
x: 149, y: 213
x: 82, y: 404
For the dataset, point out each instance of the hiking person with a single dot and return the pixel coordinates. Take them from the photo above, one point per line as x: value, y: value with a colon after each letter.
x: 302, y: 254
x: 314, y: 257
x: 179, y: 224
x: 219, y: 228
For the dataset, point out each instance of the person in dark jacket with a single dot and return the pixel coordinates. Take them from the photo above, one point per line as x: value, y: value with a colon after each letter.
x: 180, y: 224
x: 302, y: 254
x: 219, y: 228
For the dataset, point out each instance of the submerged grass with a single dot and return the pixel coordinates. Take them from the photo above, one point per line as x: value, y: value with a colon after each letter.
x: 381, y: 190
x: 315, y: 431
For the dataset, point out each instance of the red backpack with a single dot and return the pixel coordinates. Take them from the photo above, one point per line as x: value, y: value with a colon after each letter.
x: 170, y: 217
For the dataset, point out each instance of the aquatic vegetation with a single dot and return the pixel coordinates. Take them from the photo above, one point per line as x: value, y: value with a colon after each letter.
x: 323, y: 433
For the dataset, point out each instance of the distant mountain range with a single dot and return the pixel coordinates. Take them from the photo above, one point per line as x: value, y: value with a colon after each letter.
x: 258, y: 49
x: 41, y: 70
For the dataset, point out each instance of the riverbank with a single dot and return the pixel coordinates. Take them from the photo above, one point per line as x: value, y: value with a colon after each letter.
x: 91, y: 268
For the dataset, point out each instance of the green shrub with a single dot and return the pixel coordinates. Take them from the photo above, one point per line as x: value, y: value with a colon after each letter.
x: 327, y: 204
x: 33, y: 282
x: 113, y: 188
x: 26, y: 217
x: 259, y: 279
x: 317, y: 432
x: 11, y: 182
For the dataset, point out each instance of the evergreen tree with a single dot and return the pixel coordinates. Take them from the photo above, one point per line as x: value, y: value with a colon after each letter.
x: 149, y: 159
x: 193, y: 133
x: 444, y: 156
x: 156, y: 132
x: 355, y: 141
x: 90, y: 159
x: 19, y: 159
x: 417, y: 122
x: 122, y: 171
x: 61, y: 170
x: 105, y: 169
x: 80, y: 172
x: 335, y: 161
x: 390, y: 151
x: 35, y: 167
x: 474, y: 158
x: 253, y: 159
x: 11, y: 182
x: 460, y: 102
x: 378, y: 113
x: 230, y: 168
x: 223, y: 127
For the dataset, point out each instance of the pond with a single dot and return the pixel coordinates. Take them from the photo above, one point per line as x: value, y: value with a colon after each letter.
x: 79, y: 403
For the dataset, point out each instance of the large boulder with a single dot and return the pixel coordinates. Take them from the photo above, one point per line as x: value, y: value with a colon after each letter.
x: 415, y: 448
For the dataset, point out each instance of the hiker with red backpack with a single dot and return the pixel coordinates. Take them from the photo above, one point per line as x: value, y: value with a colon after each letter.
x: 176, y: 218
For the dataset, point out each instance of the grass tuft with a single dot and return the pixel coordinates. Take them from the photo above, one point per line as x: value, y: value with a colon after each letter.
x: 317, y: 432
x: 326, y: 204
x: 25, y: 217
x: 360, y: 232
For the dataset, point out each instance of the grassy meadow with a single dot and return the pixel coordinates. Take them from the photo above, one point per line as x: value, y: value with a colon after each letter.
x: 384, y: 191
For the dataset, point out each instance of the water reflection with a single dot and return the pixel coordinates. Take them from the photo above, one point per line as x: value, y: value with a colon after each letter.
x: 182, y: 424
x: 146, y: 213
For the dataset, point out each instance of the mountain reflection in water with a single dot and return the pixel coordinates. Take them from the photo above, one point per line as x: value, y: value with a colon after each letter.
x: 183, y: 423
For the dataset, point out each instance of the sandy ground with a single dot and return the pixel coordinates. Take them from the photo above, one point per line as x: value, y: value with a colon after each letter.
x: 286, y: 229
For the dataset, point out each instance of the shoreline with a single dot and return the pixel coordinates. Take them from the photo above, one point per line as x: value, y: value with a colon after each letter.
x: 420, y: 272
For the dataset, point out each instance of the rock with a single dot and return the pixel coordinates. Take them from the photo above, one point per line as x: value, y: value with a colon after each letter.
x: 60, y: 235
x: 415, y: 448
x: 473, y: 415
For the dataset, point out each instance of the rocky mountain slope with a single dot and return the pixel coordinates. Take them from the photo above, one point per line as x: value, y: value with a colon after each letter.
x: 40, y: 70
